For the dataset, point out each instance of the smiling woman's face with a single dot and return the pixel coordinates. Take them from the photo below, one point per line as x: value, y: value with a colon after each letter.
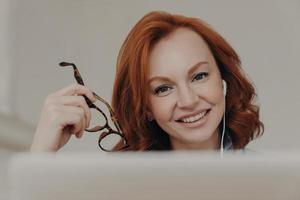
x: 186, y: 98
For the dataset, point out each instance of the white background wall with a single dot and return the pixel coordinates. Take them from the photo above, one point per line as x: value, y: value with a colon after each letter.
x: 5, y: 74
x: 90, y: 33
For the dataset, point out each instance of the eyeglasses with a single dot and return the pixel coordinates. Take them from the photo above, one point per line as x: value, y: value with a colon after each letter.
x: 105, y: 137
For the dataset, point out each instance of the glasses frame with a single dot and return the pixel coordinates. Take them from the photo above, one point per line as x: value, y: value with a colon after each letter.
x: 91, y: 105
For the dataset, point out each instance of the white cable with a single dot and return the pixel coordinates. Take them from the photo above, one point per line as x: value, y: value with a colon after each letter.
x: 223, y: 131
x: 222, y: 138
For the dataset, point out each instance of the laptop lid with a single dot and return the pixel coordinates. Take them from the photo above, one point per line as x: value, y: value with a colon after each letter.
x: 145, y: 176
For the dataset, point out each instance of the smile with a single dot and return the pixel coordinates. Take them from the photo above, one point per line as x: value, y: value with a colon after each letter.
x: 194, y: 118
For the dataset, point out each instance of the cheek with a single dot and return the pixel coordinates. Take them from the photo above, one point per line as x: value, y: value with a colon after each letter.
x: 161, y: 108
x: 216, y: 96
x: 211, y: 93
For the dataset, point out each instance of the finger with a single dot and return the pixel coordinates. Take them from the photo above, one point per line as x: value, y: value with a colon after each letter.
x: 78, y: 130
x: 81, y: 134
x: 76, y: 101
x: 81, y: 130
x: 76, y: 89
x: 72, y: 116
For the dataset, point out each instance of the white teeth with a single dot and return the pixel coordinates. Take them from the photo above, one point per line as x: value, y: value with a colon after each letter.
x: 194, y: 118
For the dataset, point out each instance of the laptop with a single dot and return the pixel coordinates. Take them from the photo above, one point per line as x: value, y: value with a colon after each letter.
x: 155, y: 175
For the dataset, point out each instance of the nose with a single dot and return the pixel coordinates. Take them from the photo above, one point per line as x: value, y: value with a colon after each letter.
x: 187, y: 98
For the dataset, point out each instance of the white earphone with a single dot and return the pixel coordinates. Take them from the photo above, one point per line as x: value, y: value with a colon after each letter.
x: 223, y: 131
x: 224, y: 87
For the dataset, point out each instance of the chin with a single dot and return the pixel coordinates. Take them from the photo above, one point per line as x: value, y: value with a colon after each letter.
x: 195, y: 137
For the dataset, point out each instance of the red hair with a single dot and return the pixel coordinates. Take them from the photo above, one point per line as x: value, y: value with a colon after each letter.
x: 130, y: 92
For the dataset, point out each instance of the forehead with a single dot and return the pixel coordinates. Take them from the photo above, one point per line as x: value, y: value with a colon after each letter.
x: 177, y: 52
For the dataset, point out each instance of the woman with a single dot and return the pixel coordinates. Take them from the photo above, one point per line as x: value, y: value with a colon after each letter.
x: 177, y: 81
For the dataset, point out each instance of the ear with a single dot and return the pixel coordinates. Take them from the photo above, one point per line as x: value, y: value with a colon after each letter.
x: 149, y: 116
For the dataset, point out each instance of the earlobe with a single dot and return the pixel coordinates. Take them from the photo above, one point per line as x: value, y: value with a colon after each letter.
x: 149, y: 117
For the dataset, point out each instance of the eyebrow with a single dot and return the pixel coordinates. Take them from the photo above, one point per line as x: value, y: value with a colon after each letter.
x: 191, y: 70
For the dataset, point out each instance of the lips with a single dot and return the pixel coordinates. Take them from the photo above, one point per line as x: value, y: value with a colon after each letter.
x: 191, y: 118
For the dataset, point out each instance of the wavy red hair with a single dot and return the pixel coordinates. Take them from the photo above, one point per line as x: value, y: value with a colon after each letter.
x: 130, y: 92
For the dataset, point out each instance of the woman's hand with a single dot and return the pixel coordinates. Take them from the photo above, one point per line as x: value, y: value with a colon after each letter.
x: 64, y: 113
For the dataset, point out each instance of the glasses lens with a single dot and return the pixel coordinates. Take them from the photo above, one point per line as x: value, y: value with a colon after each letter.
x: 97, y: 119
x: 110, y: 141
